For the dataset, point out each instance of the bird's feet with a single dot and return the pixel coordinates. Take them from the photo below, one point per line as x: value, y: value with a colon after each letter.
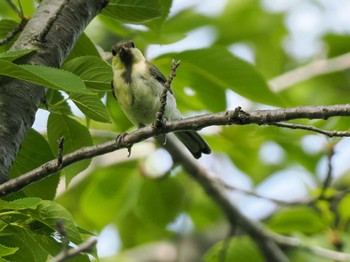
x: 121, y: 142
x: 159, y: 123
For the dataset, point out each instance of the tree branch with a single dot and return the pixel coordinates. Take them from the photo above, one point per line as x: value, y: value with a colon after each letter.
x: 313, y: 129
x: 322, y: 252
x: 255, y: 230
x: 82, y: 248
x: 67, y: 253
x: 237, y: 116
x: 320, y: 67
x: 19, y: 100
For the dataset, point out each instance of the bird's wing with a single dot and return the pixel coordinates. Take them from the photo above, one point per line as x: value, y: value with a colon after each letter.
x: 155, y: 72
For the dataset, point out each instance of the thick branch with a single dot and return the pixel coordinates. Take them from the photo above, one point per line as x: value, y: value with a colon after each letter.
x: 53, y: 30
x: 260, y: 117
x: 257, y: 232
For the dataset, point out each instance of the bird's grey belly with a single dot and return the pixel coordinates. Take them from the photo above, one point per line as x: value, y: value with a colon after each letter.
x: 139, y: 104
x: 143, y: 111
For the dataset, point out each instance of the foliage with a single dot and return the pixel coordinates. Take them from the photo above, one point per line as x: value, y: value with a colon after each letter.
x: 122, y: 192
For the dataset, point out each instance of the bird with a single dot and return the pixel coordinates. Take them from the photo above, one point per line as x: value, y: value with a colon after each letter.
x: 137, y: 86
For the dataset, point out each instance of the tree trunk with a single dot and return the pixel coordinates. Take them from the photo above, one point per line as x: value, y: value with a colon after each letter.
x: 53, y: 31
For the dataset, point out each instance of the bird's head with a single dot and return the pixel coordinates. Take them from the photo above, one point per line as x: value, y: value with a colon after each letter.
x: 125, y: 54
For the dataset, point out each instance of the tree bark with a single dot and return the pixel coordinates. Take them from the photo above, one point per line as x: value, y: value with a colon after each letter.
x: 53, y: 31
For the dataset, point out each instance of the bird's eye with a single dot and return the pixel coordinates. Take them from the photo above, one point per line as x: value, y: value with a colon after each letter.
x: 131, y: 43
x: 114, y: 52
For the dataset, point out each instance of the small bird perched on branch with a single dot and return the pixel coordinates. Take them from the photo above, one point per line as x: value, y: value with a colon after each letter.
x: 137, y: 85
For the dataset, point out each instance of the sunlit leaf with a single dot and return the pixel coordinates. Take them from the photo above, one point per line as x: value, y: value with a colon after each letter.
x: 34, y: 152
x: 75, y: 136
x: 44, y: 76
x: 133, y: 11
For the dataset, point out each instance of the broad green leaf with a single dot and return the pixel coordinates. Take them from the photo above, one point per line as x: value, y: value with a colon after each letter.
x: 160, y: 201
x: 343, y: 208
x: 34, y: 152
x: 298, y: 219
x: 44, y: 76
x: 12, y: 55
x: 6, y: 26
x: 84, y: 46
x: 212, y: 70
x: 91, y: 106
x: 75, y: 136
x: 49, y: 212
x: 5, y: 251
x: 156, y: 24
x: 133, y: 11
x: 241, y: 248
x: 57, y: 103
x: 116, y: 187
x: 95, y: 72
x: 28, y: 248
x: 20, y: 204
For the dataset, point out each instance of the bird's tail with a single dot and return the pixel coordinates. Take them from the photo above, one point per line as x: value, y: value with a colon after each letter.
x: 194, y: 143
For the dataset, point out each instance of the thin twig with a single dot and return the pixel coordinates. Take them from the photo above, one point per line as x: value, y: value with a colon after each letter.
x: 254, y: 194
x: 322, y: 252
x: 313, y: 129
x: 163, y: 98
x: 67, y: 253
x: 20, y: 26
x: 64, y: 238
x: 84, y: 247
x: 328, y: 180
x: 60, y: 150
x: 14, y: 32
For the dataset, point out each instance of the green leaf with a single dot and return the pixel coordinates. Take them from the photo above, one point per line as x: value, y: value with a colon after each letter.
x: 20, y: 204
x: 57, y: 103
x: 75, y: 136
x: 49, y: 212
x: 95, y: 72
x: 29, y: 249
x: 44, y: 76
x: 133, y: 11
x: 343, y: 208
x: 5, y: 251
x: 238, y: 249
x: 116, y: 187
x: 13, y: 55
x: 157, y: 23
x: 34, y: 152
x: 91, y: 106
x: 212, y: 70
x: 6, y: 26
x: 84, y: 46
x: 298, y: 219
x: 160, y: 201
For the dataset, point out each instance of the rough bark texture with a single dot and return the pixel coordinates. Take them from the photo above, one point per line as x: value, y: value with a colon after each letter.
x: 53, y: 30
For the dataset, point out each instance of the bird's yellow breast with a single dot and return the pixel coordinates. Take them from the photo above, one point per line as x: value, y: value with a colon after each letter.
x: 139, y: 98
